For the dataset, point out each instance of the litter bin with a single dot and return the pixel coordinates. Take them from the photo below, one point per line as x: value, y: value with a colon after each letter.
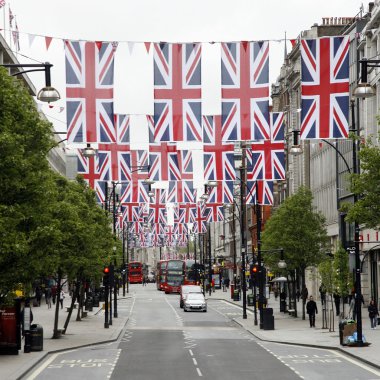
x: 268, y: 319
x: 346, y: 328
x: 250, y: 300
x: 36, y: 338
x: 236, y: 295
x: 88, y: 304
x: 282, y: 306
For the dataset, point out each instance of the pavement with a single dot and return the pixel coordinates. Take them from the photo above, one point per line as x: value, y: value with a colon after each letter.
x: 90, y: 330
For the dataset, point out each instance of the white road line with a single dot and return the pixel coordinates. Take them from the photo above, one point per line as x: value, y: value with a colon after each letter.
x: 43, y: 367
x: 195, y: 361
x: 191, y: 352
x: 357, y: 363
x: 199, y: 372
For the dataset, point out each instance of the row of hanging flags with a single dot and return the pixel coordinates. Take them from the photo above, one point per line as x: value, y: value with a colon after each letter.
x: 178, y: 117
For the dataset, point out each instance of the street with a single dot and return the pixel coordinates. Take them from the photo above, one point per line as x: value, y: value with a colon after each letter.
x: 161, y: 341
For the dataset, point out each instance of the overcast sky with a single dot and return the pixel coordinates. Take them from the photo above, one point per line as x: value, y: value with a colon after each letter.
x: 163, y: 20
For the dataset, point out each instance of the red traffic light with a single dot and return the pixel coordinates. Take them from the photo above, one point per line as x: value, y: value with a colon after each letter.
x: 106, y: 270
x: 254, y: 269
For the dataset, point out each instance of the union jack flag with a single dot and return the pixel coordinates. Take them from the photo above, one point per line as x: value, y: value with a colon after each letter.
x: 169, y: 236
x: 245, y: 91
x: 186, y: 212
x: 122, y: 123
x: 180, y: 228
x: 325, y: 88
x: 89, y: 92
x: 223, y: 193
x: 218, y: 156
x: 259, y: 192
x: 214, y: 212
x: 266, y: 158
x: 199, y: 215
x: 164, y: 161
x: 134, y: 191
x: 158, y: 207
x: 177, y: 92
x: 93, y: 169
x: 181, y: 192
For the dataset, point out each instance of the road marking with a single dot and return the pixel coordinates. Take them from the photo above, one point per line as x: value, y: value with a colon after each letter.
x: 199, y: 372
x: 353, y: 361
x: 43, y: 367
x: 191, y: 352
x: 195, y: 361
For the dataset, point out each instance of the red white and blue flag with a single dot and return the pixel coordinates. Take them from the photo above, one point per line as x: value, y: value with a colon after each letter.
x: 223, y: 193
x: 214, y: 212
x: 245, y: 91
x: 325, y: 88
x: 218, y: 156
x: 186, y: 212
x: 93, y: 169
x: 200, y: 218
x: 89, y: 92
x: 259, y: 192
x: 266, y: 158
x: 181, y: 192
x: 157, y: 208
x: 123, y: 126
x: 177, y: 92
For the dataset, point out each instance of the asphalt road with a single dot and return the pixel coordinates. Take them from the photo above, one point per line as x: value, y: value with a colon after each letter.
x: 162, y: 342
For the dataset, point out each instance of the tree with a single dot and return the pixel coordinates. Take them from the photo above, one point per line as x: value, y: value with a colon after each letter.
x: 367, y: 186
x: 299, y: 230
x: 24, y: 171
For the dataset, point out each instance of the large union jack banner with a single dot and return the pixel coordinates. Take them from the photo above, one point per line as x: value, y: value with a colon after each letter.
x: 218, y: 156
x: 266, y: 159
x: 89, y: 92
x: 259, y: 192
x: 245, y: 91
x: 177, y: 92
x: 181, y: 192
x: 123, y: 126
x: 325, y: 88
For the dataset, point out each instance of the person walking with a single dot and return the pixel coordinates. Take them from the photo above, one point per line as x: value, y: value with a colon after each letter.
x: 61, y: 298
x: 337, y: 303
x: 144, y: 281
x: 311, y: 309
x: 48, y: 297
x: 373, y: 313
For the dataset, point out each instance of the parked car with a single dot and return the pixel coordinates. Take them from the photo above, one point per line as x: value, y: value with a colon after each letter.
x: 195, y: 301
x: 185, y: 290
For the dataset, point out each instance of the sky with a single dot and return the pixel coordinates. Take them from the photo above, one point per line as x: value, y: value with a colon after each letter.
x: 159, y: 20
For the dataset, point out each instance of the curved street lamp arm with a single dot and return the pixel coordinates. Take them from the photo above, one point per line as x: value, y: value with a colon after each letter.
x: 340, y: 154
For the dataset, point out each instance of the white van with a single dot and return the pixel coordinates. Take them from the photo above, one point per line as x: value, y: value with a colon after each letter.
x: 185, y: 290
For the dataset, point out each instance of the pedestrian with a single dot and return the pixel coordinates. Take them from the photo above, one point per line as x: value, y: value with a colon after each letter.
x: 311, y: 309
x: 298, y: 295
x: 275, y: 291
x: 227, y: 282
x: 54, y: 293
x: 144, y: 281
x: 48, y: 297
x: 213, y: 284
x: 38, y: 295
x: 373, y: 313
x: 224, y: 284
x: 61, y: 298
x: 337, y: 303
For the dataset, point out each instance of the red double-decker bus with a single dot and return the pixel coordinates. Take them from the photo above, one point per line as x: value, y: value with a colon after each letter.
x: 174, y: 276
x: 135, y: 272
x: 192, y: 272
x: 161, y: 274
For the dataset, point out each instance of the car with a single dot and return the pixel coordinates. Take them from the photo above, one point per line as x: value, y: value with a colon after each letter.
x: 195, y: 301
x: 185, y: 290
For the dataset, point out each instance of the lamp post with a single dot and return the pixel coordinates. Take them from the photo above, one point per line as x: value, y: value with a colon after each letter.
x: 46, y: 94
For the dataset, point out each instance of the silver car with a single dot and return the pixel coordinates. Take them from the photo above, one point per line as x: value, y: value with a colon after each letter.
x: 195, y: 301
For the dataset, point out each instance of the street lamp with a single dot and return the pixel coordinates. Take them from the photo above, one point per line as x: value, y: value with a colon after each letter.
x: 46, y: 94
x: 208, y: 187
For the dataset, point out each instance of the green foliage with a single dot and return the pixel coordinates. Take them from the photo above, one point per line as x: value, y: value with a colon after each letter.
x: 367, y: 186
x: 342, y: 274
x: 326, y: 271
x: 47, y: 223
x: 299, y: 230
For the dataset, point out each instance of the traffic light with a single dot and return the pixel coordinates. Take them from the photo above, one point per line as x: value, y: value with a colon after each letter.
x: 254, y: 270
x: 106, y: 276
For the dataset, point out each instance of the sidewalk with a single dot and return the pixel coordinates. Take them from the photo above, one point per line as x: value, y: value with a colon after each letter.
x: 297, y: 331
x: 86, y: 332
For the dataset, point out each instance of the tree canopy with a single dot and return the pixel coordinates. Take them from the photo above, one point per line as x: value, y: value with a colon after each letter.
x: 47, y: 223
x: 367, y: 186
x: 299, y: 230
